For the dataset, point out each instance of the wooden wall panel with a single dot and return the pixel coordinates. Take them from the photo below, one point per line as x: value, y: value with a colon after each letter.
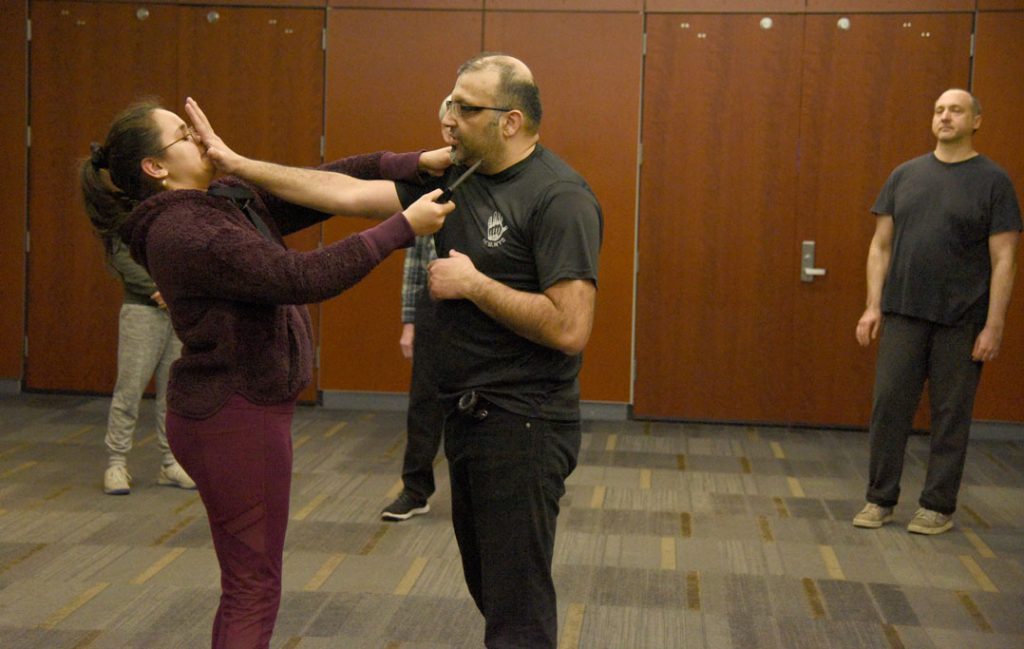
x: 565, y: 5
x: 259, y: 76
x: 89, y: 61
x: 13, y: 166
x: 592, y: 123
x: 281, y: 4
x: 888, y: 6
x: 725, y: 6
x: 258, y: 73
x: 472, y: 5
x: 998, y: 70
x: 867, y: 98
x: 382, y: 97
x: 215, y: 4
x: 717, y: 226
x: 1006, y: 5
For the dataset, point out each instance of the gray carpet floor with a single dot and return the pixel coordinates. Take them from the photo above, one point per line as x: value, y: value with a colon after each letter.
x: 671, y: 536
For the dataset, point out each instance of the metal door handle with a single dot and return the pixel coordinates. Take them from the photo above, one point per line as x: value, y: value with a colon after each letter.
x: 807, y: 270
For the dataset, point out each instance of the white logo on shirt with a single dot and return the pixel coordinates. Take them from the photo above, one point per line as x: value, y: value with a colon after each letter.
x: 495, y: 230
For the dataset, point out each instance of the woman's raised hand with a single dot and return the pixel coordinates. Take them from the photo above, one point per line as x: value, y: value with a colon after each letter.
x: 217, y: 151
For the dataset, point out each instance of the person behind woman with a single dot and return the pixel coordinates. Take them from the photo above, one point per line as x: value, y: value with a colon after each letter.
x: 146, y: 347
x: 232, y: 289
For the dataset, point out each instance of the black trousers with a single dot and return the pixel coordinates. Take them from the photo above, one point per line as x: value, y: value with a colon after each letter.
x: 508, y: 473
x: 909, y: 352
x: 424, y: 422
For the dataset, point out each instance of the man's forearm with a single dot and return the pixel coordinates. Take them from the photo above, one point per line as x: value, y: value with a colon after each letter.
x: 325, y: 191
x: 1000, y: 288
x: 877, y: 267
x: 536, y: 316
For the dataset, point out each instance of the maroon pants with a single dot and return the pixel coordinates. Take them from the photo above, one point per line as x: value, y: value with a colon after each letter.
x: 241, y: 461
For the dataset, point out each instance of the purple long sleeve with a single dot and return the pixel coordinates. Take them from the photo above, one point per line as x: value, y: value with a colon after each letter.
x: 388, y: 236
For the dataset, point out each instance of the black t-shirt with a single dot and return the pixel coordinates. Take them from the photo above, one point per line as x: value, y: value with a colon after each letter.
x: 528, y: 227
x: 943, y: 215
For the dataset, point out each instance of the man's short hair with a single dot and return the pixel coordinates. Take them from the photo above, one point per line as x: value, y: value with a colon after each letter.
x: 515, y: 90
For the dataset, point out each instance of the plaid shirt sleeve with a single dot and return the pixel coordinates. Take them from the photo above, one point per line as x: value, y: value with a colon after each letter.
x: 414, y: 276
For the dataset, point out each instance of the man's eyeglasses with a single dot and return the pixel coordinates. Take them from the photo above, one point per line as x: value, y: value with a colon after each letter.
x: 189, y: 135
x: 459, y: 109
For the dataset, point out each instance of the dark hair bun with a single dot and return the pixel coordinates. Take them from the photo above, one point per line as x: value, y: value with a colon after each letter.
x: 98, y: 156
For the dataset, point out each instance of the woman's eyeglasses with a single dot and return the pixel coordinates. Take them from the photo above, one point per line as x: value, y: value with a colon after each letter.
x: 189, y: 135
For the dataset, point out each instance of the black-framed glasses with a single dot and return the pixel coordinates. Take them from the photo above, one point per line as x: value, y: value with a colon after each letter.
x: 459, y: 109
x: 189, y: 135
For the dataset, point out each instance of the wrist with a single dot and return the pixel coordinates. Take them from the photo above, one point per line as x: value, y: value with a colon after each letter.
x: 235, y: 165
x: 995, y: 327
x: 476, y: 286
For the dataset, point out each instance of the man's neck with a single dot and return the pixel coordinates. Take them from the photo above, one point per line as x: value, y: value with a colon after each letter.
x: 514, y: 154
x: 958, y: 151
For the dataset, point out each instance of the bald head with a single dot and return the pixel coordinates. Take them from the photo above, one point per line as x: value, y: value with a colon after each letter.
x: 954, y: 94
x: 516, y: 87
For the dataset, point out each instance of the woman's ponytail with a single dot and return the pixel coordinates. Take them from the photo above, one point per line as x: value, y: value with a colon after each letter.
x: 111, y: 178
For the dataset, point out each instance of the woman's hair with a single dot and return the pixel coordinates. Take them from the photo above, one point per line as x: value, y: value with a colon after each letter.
x: 111, y: 177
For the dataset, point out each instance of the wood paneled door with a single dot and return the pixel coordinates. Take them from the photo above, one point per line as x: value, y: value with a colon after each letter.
x: 259, y: 76
x: 266, y: 101
x: 590, y: 120
x: 73, y: 300
x: 382, y: 98
x: 717, y: 200
x: 998, y: 71
x: 761, y: 133
x: 867, y: 98
x: 13, y: 187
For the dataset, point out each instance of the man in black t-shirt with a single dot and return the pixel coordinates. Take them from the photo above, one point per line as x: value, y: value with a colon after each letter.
x: 509, y: 310
x: 940, y: 271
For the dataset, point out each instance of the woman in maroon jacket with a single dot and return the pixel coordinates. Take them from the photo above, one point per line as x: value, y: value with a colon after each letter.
x: 235, y: 296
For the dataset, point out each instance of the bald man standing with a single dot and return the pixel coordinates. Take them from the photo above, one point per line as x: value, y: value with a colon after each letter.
x: 940, y: 272
x: 509, y: 310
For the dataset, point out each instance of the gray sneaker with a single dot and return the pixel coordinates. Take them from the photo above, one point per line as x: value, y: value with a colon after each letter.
x: 872, y: 516
x: 925, y: 521
x: 117, y: 481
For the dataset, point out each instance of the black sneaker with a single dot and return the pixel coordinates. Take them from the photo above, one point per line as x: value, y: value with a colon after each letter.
x: 404, y: 507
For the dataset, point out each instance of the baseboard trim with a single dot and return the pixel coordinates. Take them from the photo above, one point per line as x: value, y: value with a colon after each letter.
x: 393, y: 401
x: 997, y: 430
x: 352, y: 400
x: 10, y: 386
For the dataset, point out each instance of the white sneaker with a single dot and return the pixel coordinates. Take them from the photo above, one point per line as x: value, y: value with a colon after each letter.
x: 117, y: 481
x: 926, y: 521
x: 173, y: 475
x: 872, y: 516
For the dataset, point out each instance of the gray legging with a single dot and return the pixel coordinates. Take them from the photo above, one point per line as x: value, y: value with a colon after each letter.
x: 146, y: 347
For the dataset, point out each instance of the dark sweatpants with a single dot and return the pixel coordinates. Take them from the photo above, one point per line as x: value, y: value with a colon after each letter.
x: 424, y: 422
x: 507, y: 475
x: 241, y: 461
x: 909, y: 351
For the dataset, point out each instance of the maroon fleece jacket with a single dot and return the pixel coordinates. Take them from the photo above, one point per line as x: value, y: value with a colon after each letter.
x: 236, y: 298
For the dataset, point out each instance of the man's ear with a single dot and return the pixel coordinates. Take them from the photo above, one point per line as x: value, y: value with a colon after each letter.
x: 154, y: 169
x: 512, y: 123
x: 977, y: 122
